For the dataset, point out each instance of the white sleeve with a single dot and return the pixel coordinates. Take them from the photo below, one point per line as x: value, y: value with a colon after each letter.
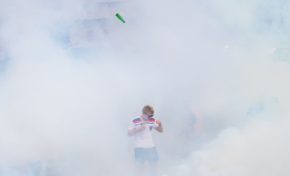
x: 131, y: 126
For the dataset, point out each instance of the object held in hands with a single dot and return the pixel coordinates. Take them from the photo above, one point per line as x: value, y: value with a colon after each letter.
x: 120, y: 17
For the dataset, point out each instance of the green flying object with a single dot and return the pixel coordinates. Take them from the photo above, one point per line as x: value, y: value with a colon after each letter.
x: 120, y: 18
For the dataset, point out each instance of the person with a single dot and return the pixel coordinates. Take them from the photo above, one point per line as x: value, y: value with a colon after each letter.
x: 141, y: 129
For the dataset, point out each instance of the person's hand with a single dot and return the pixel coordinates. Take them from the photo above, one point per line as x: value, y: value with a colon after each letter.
x: 158, y: 122
x: 159, y: 127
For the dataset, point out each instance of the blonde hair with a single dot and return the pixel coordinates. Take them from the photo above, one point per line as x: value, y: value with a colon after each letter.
x: 147, y: 108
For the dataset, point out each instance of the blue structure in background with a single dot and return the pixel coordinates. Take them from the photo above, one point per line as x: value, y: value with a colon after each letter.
x: 266, y: 105
x: 87, y: 34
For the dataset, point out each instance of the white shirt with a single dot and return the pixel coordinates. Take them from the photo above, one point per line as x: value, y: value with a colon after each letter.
x: 143, y: 139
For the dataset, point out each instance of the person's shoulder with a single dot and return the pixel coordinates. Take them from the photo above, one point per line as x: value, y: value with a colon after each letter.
x: 136, y: 120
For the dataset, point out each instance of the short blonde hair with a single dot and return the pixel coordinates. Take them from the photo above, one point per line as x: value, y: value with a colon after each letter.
x: 148, y: 108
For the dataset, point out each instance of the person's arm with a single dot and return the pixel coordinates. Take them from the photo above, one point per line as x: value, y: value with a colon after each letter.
x: 160, y: 127
x: 134, y: 130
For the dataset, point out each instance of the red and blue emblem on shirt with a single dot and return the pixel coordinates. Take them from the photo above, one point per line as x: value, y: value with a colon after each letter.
x: 151, y: 122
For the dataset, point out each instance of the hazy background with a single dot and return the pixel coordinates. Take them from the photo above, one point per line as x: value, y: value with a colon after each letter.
x: 72, y: 77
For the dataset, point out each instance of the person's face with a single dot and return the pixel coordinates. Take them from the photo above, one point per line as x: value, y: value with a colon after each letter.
x: 149, y: 113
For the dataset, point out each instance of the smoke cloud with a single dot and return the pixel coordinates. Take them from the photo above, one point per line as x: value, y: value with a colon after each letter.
x: 72, y: 77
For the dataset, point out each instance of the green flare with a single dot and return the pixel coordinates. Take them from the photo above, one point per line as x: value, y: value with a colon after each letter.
x: 120, y: 18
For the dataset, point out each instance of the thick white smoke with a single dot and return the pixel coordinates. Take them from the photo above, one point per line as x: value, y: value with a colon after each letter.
x: 257, y: 144
x: 210, y: 69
